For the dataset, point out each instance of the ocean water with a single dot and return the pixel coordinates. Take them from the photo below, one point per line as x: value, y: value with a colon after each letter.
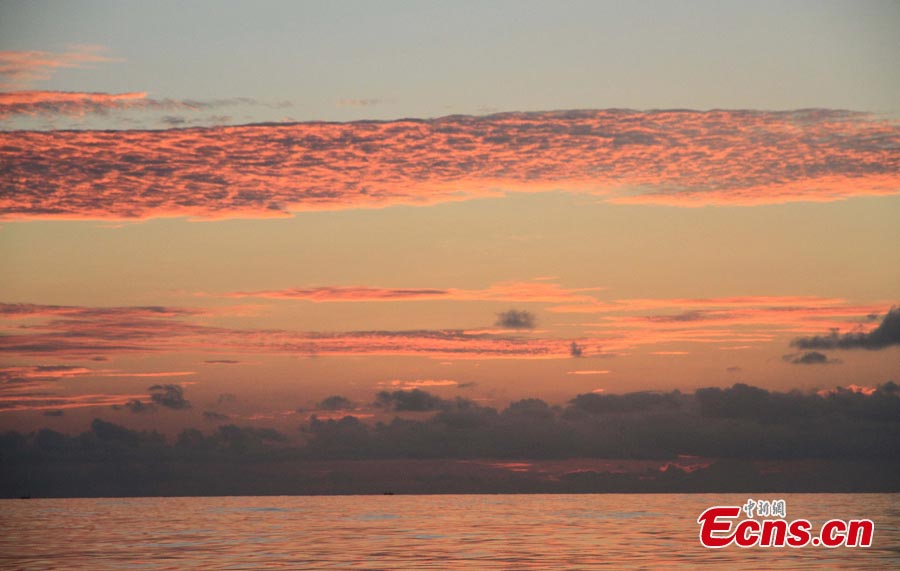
x: 597, y: 531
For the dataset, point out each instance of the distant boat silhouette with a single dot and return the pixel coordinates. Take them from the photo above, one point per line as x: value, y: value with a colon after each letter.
x: 388, y: 493
x: 24, y: 497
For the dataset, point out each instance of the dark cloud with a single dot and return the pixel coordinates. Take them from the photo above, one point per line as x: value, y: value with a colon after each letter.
x: 227, y: 398
x: 335, y: 402
x: 735, y: 426
x: 467, y: 385
x: 169, y: 396
x: 515, y: 319
x: 136, y: 406
x: 243, y: 438
x: 181, y: 121
x: 576, y: 350
x: 810, y: 358
x: 113, y: 437
x: 797, y: 411
x: 885, y: 335
x: 215, y: 416
x: 593, y: 403
x: 530, y: 408
x: 54, y: 413
x: 216, y: 120
x: 415, y: 400
x: 688, y: 317
x: 734, y: 369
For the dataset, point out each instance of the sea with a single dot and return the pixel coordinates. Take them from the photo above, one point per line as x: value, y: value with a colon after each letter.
x: 447, y: 532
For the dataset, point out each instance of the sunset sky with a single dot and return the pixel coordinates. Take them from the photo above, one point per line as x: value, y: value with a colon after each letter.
x: 233, y: 210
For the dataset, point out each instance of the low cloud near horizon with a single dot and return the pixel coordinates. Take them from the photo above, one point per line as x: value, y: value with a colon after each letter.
x: 740, y: 421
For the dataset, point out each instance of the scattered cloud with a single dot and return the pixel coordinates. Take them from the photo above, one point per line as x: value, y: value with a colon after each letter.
x: 84, y: 331
x: 215, y: 416
x: 335, y: 402
x: 890, y: 388
x: 58, y: 372
x: 417, y: 383
x: 87, y: 332
x: 41, y: 399
x: 740, y: 309
x: 169, y: 396
x: 135, y: 406
x: 227, y: 398
x: 415, y: 400
x: 348, y: 294
x: 145, y: 375
x: 810, y: 358
x: 734, y: 322
x: 588, y: 372
x: 358, y: 102
x: 65, y: 102
x: 526, y: 291
x: 39, y: 388
x: 74, y: 103
x: 41, y: 372
x: 172, y: 120
x: 516, y: 319
x: 680, y: 158
x: 24, y: 310
x: 886, y: 334
x: 21, y: 68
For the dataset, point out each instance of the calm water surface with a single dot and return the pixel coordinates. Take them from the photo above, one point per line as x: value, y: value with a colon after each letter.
x: 419, y: 532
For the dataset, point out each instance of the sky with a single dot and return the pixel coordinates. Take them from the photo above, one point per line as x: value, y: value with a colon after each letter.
x: 217, y: 211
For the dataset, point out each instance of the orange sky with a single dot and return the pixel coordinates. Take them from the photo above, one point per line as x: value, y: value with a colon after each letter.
x: 251, y: 248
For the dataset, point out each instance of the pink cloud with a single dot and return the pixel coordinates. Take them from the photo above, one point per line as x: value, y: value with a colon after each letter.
x: 71, y: 103
x: 682, y: 158
x: 19, y: 403
x: 70, y: 331
x: 862, y: 390
x: 533, y: 291
x: 19, y: 68
x: 65, y: 102
x: 417, y: 384
x: 92, y: 332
